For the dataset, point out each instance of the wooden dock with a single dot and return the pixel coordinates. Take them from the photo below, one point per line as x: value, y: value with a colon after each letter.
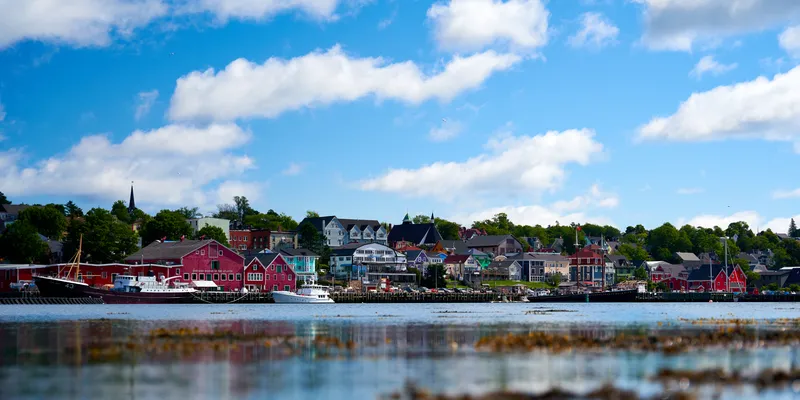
x: 421, y: 297
x: 31, y: 300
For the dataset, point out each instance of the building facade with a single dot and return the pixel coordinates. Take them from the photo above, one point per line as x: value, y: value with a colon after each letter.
x: 496, y: 245
x: 458, y: 266
x: 339, y: 231
x: 369, y: 262
x: 303, y: 262
x: 250, y: 239
x: 269, y: 272
x: 282, y: 240
x: 200, y: 223
x: 587, y: 267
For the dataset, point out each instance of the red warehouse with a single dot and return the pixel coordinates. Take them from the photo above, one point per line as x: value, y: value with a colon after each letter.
x: 269, y: 272
x: 195, y: 260
x: 701, y: 279
x: 674, y: 276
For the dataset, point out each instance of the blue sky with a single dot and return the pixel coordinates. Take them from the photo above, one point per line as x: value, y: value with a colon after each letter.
x: 607, y: 111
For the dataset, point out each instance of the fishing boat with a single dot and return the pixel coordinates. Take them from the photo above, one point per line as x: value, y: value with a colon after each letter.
x: 310, y: 293
x: 127, y: 289
x: 614, y: 296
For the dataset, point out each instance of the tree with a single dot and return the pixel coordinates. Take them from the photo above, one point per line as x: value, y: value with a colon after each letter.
x: 632, y: 252
x: 189, y: 213
x: 47, y: 220
x: 4, y: 199
x: 227, y: 211
x: 421, y: 219
x: 555, y: 280
x: 243, y: 208
x: 793, y: 229
x: 166, y: 223
x: 434, y: 276
x: 73, y: 211
x: 312, y: 214
x: 272, y: 221
x: 752, y: 276
x: 21, y: 244
x: 106, y: 239
x: 448, y: 230
x: 120, y: 210
x: 59, y: 207
x: 310, y: 238
x: 640, y: 274
x: 212, y: 232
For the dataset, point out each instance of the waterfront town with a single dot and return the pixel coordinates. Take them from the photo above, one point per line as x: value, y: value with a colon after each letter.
x: 239, y: 248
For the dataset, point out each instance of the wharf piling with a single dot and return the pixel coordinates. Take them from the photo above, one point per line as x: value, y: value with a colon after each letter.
x: 50, y: 300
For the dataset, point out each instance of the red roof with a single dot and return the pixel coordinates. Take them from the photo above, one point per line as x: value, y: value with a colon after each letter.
x: 456, y: 259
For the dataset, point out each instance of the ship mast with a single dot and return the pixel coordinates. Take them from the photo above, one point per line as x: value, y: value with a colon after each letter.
x: 76, y: 261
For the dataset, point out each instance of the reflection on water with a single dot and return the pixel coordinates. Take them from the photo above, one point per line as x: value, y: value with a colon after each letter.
x: 85, y: 357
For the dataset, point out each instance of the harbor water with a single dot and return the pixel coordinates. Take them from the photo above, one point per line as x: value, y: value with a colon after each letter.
x: 366, y: 351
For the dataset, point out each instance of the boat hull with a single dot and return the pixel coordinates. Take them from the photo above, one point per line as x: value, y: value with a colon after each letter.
x: 54, y: 287
x: 294, y: 298
x: 622, y: 296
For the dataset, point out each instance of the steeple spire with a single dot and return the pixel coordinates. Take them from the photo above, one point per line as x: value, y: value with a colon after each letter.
x: 433, y: 220
x: 132, y: 202
x: 406, y: 219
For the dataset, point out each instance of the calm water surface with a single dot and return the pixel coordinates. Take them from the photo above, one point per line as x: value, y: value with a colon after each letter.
x: 50, y: 352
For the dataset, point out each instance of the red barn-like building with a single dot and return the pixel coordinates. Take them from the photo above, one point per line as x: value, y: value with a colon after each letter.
x: 195, y: 260
x: 700, y: 279
x: 268, y: 272
x: 674, y: 276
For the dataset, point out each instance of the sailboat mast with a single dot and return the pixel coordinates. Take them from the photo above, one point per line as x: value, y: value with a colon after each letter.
x: 78, y: 267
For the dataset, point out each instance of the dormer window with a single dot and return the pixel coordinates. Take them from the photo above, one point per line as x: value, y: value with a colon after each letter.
x: 255, y: 267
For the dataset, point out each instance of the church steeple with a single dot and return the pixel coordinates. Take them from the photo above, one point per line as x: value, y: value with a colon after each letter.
x: 407, y: 220
x: 132, y: 202
x: 433, y: 220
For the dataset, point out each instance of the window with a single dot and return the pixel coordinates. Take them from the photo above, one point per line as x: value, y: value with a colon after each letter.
x: 202, y: 252
x: 286, y: 288
x: 216, y: 277
x: 238, y: 277
x: 194, y: 277
x: 222, y: 277
x: 215, y: 264
x: 275, y: 288
x: 267, y: 276
x: 255, y: 267
x: 114, y: 276
x: 186, y: 276
x: 230, y: 277
x: 290, y: 276
x: 220, y: 252
x: 177, y: 271
x: 103, y: 275
x: 274, y: 277
x: 279, y: 269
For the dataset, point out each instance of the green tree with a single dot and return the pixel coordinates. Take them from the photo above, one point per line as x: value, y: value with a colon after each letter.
x: 632, y: 252
x: 22, y: 244
x: 59, y: 207
x: 189, y: 213
x: 212, y: 232
x: 421, y: 219
x: 555, y: 280
x: 166, y: 223
x: 640, y: 274
x: 448, y: 230
x: 4, y: 199
x: 665, y: 240
x: 272, y: 221
x: 120, y: 210
x: 434, y: 276
x: 73, y: 211
x: 106, y: 239
x: 312, y: 214
x: 752, y: 277
x: 310, y: 238
x: 793, y: 229
x: 227, y: 211
x: 243, y: 209
x: 47, y: 220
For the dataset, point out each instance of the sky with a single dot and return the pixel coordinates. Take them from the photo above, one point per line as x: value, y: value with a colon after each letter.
x: 617, y: 112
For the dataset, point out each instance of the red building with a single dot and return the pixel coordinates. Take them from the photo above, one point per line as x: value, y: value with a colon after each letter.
x: 269, y: 272
x: 586, y: 266
x: 701, y: 279
x: 13, y: 277
x: 674, y: 276
x: 195, y: 260
x: 250, y: 239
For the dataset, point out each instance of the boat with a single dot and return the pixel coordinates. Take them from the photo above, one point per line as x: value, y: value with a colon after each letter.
x: 127, y: 289
x: 310, y: 293
x: 614, y: 296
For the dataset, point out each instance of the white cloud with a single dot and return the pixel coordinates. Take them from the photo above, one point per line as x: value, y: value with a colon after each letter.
x: 75, y: 22
x: 681, y: 24
x: 293, y: 169
x: 2, y: 112
x: 789, y: 41
x: 446, y: 131
x: 708, y: 64
x: 762, y: 108
x: 525, y: 164
x: 259, y: 9
x: 755, y: 220
x: 563, y: 212
x: 172, y: 165
x: 247, y: 89
x: 227, y: 190
x: 146, y: 101
x: 687, y: 191
x: 596, y: 32
x: 476, y: 24
x: 786, y: 194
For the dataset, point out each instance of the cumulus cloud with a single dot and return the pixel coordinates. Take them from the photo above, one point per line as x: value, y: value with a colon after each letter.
x: 293, y: 169
x: 257, y: 9
x: 76, y: 22
x: 755, y: 220
x: 761, y: 109
x: 596, y: 32
x: 145, y: 101
x: 246, y: 89
x: 789, y: 41
x: 564, y: 212
x: 477, y: 24
x: 509, y: 164
x: 786, y: 194
x: 173, y: 165
x: 446, y: 131
x: 708, y: 65
x: 681, y: 24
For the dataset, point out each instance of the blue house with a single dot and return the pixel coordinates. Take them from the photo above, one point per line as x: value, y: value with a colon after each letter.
x: 302, y: 261
x: 417, y: 259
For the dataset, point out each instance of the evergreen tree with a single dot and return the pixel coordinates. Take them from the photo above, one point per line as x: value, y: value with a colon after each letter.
x: 793, y: 229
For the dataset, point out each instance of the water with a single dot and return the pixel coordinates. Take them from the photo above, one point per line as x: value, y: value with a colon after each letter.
x: 57, y: 352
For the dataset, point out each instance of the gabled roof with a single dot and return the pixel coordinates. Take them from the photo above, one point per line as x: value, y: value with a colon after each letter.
x: 701, y: 273
x: 458, y: 246
x: 415, y: 233
x: 13, y: 208
x: 499, y: 267
x: 687, y: 257
x: 264, y: 258
x: 299, y: 252
x: 413, y: 254
x: 456, y: 259
x: 318, y: 223
x: 674, y: 270
x: 551, y: 257
x: 478, y: 253
x: 617, y: 259
x: 487, y: 241
x: 168, y: 250
x: 362, y: 224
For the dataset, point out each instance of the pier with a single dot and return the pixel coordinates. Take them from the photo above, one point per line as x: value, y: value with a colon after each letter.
x: 35, y: 300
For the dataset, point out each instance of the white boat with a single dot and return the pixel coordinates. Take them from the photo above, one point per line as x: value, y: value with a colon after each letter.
x: 311, y: 293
